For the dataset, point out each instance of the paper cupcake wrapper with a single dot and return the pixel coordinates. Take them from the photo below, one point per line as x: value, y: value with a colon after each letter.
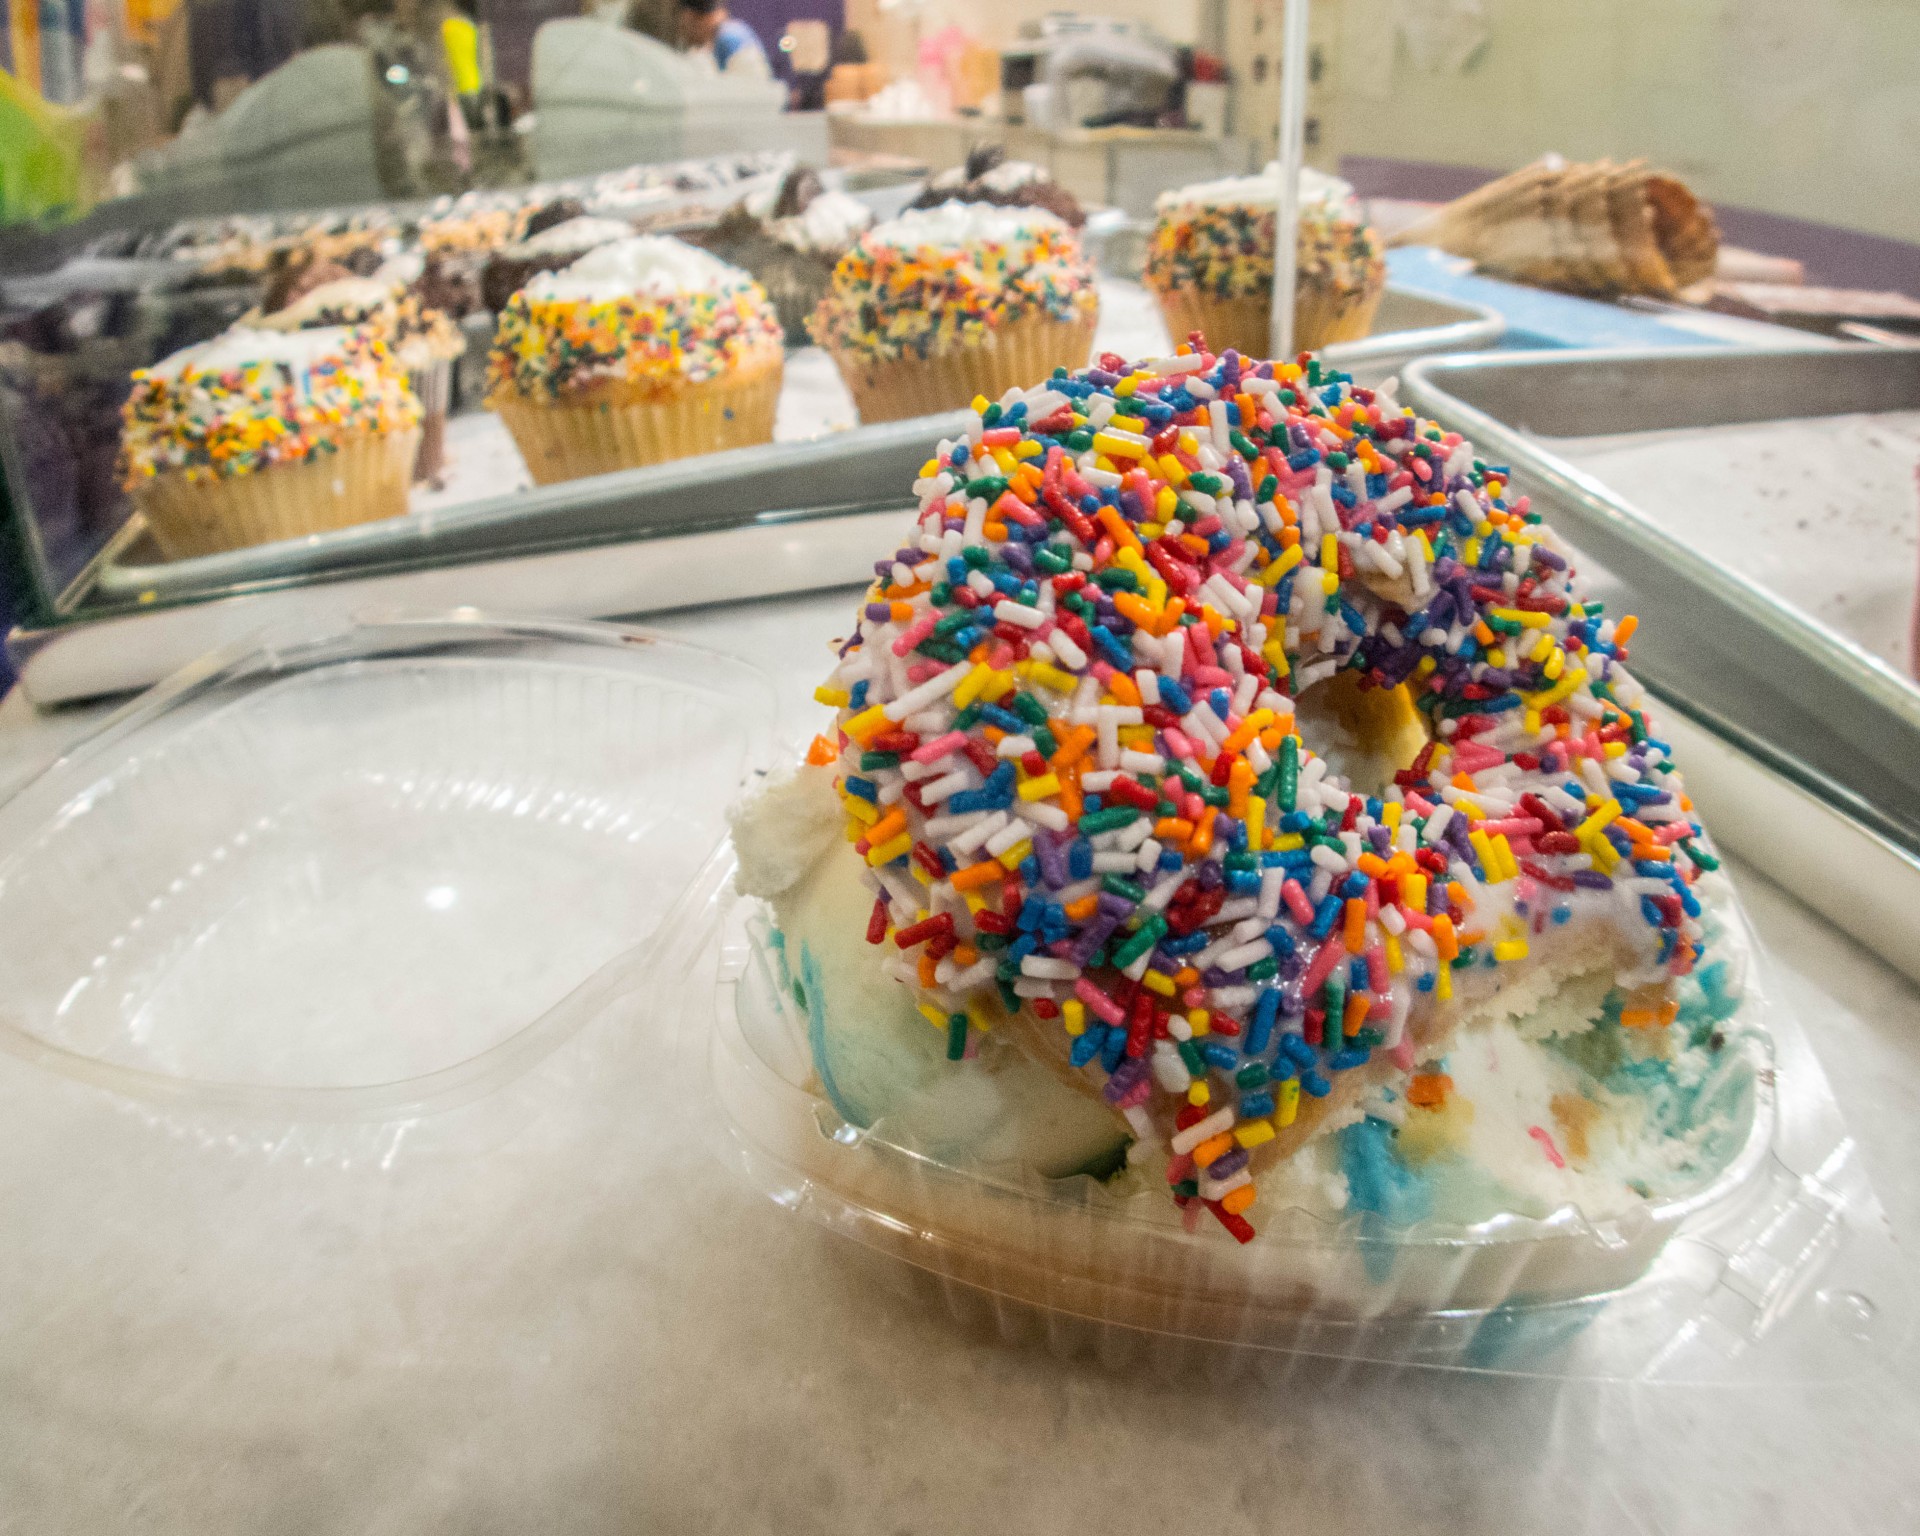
x: 1319, y: 319
x: 363, y: 480
x: 434, y: 386
x: 1020, y: 354
x: 571, y: 439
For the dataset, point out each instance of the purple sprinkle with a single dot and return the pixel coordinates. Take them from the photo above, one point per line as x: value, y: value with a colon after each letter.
x: 1592, y: 879
x: 1050, y: 849
x: 1544, y: 556
x: 1116, y: 906
x: 880, y: 612
x: 1242, y: 481
x: 1228, y: 1164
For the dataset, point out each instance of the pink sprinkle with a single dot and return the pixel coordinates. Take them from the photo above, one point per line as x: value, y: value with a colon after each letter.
x: 920, y: 671
x: 1178, y: 744
x: 1105, y: 1007
x: 1514, y: 826
x: 1325, y: 958
x: 1402, y: 1054
x: 1377, y: 976
x: 1546, y: 1141
x: 1297, y: 904
x: 939, y: 747
x: 914, y: 634
x: 1208, y: 677
x: 1419, y: 806
x: 1103, y: 671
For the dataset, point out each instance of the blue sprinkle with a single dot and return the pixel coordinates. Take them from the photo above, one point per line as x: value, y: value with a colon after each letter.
x: 1080, y: 859
x: 1115, y: 1049
x: 864, y: 788
x: 1323, y: 918
x: 858, y: 698
x: 1174, y: 696
x: 1314, y: 1083
x: 1117, y: 652
x: 1254, y: 1105
x: 1345, y: 1061
x: 1225, y: 1057
x: 1087, y: 1046
x: 1356, y: 974
x: 1295, y: 1048
x: 1265, y: 1011
x: 1170, y: 860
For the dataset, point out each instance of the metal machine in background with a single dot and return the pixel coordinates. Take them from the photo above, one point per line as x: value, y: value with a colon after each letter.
x: 1089, y: 72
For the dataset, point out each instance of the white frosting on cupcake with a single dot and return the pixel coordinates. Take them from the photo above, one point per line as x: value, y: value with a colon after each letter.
x: 956, y: 226
x: 644, y: 264
x: 831, y: 222
x: 582, y: 234
x: 244, y: 345
x: 360, y: 297
x: 1259, y: 191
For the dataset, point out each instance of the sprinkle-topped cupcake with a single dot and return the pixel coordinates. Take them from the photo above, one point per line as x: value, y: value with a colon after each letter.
x: 262, y: 434
x: 425, y: 342
x: 643, y: 350
x: 1210, y: 261
x: 943, y: 304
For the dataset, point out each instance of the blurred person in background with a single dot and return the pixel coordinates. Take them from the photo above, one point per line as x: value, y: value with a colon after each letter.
x: 708, y: 27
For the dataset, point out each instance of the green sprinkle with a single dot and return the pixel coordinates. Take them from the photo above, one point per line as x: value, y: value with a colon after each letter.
x: 1108, y: 819
x: 1119, y: 885
x: 956, y: 1036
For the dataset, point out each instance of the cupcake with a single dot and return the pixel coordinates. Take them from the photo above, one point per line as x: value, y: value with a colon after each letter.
x: 548, y: 250
x: 1210, y: 262
x: 792, y: 247
x: 423, y: 341
x: 262, y: 434
x: 642, y: 351
x: 941, y: 305
x: 988, y: 176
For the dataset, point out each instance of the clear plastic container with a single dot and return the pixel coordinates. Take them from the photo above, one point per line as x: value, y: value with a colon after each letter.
x: 372, y: 1001
x: 1780, y: 1265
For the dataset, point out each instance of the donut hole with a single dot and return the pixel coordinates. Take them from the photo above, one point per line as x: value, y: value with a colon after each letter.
x: 1367, y: 735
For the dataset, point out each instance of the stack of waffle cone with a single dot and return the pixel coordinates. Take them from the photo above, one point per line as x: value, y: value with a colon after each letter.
x: 1597, y: 228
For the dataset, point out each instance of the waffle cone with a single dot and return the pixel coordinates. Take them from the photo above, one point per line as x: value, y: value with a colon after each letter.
x: 363, y: 480
x: 1684, y: 228
x: 607, y: 428
x: 1018, y: 354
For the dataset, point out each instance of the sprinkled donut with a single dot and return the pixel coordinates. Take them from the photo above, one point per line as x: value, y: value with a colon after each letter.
x: 1083, y: 748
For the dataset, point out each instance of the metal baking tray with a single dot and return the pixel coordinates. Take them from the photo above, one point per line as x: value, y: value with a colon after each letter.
x: 861, y: 468
x: 1815, y: 702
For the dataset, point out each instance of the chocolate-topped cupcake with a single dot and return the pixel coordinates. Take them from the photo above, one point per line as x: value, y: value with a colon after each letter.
x: 988, y: 176
x: 791, y: 249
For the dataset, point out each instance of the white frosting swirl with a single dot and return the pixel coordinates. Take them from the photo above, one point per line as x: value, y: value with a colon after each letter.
x: 244, y: 345
x: 1317, y: 189
x: 831, y: 222
x: 955, y: 226
x: 582, y: 234
x: 641, y: 264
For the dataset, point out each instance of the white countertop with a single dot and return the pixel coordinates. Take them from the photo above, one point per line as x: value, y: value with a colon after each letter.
x: 720, y: 1365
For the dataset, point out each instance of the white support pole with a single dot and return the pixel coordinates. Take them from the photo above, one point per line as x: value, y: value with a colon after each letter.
x: 1291, y: 150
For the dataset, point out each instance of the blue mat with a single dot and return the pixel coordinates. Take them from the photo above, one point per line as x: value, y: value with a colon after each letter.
x: 1536, y: 318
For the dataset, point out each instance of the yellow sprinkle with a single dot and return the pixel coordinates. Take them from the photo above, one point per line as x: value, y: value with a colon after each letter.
x: 934, y: 1017
x: 1047, y: 676
x: 1559, y: 690
x: 1470, y: 553
x: 1592, y: 827
x: 1127, y: 423
x: 1556, y: 663
x: 1198, y: 1094
x: 1520, y: 616
x: 1289, y: 842
x: 1256, y: 823
x: 1125, y: 389
x: 1413, y: 891
x: 1510, y: 949
x: 1286, y: 560
x: 1489, y: 860
x: 887, y: 852
x: 1330, y: 582
x: 1073, y: 1013
x: 1027, y: 449
x: 863, y: 811
x: 1200, y: 1022
x: 833, y: 698
x: 1443, y: 982
x: 1005, y: 460
x: 1252, y: 1133
x: 1503, y: 850
x: 1158, y: 981
x: 1289, y: 1102
x: 928, y: 470
x: 1040, y: 787
x: 1015, y: 856
x: 1395, y: 961
x: 1329, y: 553
x: 868, y: 723
x: 1118, y: 447
x: 1613, y: 749
x: 1175, y: 474
x: 980, y: 404
x: 972, y: 684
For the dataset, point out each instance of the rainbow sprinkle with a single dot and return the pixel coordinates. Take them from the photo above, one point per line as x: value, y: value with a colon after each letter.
x: 1068, y: 753
x: 888, y: 303
x: 236, y: 421
x: 548, y: 348
x: 1226, y: 252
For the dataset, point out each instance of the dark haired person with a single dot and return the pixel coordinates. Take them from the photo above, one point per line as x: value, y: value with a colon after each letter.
x: 708, y: 26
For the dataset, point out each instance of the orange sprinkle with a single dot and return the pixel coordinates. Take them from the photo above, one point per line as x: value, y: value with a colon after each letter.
x: 1122, y: 687
x: 986, y: 872
x: 820, y: 752
x: 927, y: 964
x: 1079, y: 911
x: 1213, y: 1149
x: 1186, y: 976
x: 1623, y: 631
x: 887, y: 827
x: 1429, y: 1090
x: 1173, y: 829
x: 1356, y: 929
x: 1443, y: 936
x: 1357, y: 1005
x: 1202, y: 839
x: 1074, y: 742
x: 965, y: 954
x: 1121, y: 530
x: 1234, y: 1201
